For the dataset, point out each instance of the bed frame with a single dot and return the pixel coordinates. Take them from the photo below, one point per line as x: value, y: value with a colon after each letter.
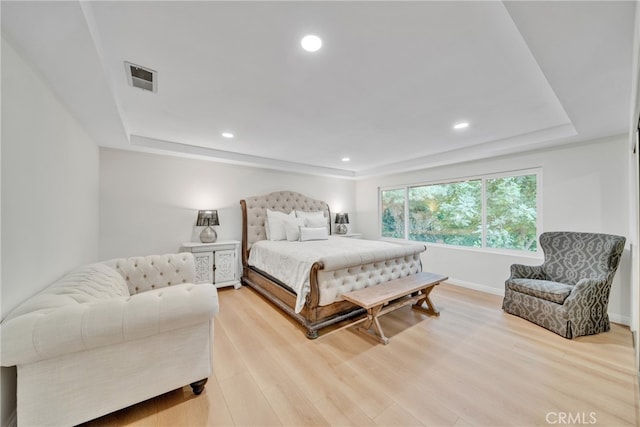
x: 313, y: 316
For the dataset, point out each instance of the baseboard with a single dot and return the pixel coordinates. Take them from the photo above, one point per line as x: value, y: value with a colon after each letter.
x: 477, y: 287
x: 623, y: 320
x: 615, y: 318
x: 13, y: 420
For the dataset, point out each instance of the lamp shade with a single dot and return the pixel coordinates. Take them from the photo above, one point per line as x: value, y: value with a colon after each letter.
x: 207, y: 218
x: 342, y: 218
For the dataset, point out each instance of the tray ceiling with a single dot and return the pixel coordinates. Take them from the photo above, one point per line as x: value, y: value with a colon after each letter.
x: 385, y: 89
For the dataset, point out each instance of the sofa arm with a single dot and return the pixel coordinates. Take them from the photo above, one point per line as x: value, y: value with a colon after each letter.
x: 46, y: 334
x: 146, y: 273
x: 521, y: 271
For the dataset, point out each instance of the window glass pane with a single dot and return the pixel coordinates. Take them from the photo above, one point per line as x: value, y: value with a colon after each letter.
x: 512, y: 213
x: 446, y: 213
x: 393, y: 213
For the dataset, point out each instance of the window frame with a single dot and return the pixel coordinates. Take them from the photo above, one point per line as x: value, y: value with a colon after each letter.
x: 537, y: 171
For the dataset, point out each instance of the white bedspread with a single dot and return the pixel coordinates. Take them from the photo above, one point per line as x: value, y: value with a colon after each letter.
x: 290, y: 262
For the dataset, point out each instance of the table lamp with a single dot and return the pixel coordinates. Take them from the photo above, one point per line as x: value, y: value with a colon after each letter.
x: 342, y: 219
x: 207, y: 218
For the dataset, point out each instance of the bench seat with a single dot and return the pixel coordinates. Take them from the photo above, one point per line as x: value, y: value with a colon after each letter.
x: 381, y: 299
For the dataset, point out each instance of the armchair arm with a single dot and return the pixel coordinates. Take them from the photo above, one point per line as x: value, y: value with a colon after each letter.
x: 521, y: 271
x: 49, y: 333
x: 586, y: 306
x: 594, y: 290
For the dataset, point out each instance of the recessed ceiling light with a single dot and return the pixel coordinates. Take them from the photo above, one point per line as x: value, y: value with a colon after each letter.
x: 461, y: 125
x: 227, y: 134
x: 346, y: 159
x: 311, y: 43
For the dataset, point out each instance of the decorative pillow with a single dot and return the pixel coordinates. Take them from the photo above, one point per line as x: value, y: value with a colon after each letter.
x: 312, y: 219
x: 313, y: 233
x: 305, y: 214
x: 292, y: 228
x: 275, y: 224
x: 315, y: 222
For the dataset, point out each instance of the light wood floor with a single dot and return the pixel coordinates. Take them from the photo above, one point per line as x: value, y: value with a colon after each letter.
x: 473, y: 365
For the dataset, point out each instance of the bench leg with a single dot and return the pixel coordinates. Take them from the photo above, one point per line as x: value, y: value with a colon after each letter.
x: 372, y: 320
x: 430, y: 309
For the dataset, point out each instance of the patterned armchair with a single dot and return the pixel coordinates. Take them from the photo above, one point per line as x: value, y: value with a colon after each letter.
x: 569, y: 293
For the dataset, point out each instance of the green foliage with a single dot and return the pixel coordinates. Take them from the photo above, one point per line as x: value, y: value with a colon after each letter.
x: 393, y: 213
x: 512, y: 212
x: 446, y: 213
x: 451, y: 213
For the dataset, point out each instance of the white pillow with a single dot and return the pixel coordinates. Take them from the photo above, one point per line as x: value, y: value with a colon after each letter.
x: 312, y: 219
x: 313, y: 233
x: 275, y: 224
x: 292, y: 228
x: 315, y: 222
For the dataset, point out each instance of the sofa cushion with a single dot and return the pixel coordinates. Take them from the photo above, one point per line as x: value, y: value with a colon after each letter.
x: 544, y: 289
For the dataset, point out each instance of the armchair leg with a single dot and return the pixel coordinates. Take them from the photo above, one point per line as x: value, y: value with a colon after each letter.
x: 198, y: 386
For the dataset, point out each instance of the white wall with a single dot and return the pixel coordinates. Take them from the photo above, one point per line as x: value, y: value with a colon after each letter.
x: 585, y: 187
x: 634, y: 195
x: 49, y: 194
x: 149, y: 202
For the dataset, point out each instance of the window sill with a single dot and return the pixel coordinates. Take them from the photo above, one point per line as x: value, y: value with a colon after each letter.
x: 503, y: 252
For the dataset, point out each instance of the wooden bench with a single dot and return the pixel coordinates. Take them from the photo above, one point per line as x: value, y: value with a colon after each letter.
x: 392, y: 295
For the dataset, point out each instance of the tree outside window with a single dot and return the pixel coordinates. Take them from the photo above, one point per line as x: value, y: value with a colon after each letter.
x: 457, y: 213
x: 512, y: 212
x: 446, y: 213
x: 393, y: 213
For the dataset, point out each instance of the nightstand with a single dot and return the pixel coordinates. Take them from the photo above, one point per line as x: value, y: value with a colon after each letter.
x: 350, y: 235
x: 217, y: 263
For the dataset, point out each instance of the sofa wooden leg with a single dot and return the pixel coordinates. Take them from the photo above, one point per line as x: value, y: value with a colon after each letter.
x: 198, y: 386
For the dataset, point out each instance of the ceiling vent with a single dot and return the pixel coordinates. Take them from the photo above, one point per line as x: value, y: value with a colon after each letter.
x: 141, y: 77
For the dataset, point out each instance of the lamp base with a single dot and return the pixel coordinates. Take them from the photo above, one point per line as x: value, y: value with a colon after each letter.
x: 208, y: 235
x: 341, y: 229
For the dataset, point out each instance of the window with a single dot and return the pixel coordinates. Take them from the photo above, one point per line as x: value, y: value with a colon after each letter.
x: 499, y: 212
x: 393, y: 213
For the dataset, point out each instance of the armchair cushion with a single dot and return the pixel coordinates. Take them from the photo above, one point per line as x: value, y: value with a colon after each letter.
x: 545, y: 289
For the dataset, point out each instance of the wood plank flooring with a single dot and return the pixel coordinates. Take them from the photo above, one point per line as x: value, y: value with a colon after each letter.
x: 472, y: 366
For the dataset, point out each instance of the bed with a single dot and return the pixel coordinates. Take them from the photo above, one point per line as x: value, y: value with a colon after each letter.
x: 333, y: 265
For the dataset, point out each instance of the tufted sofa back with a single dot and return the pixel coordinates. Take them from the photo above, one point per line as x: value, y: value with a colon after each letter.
x: 255, y: 212
x: 155, y: 271
x: 571, y: 256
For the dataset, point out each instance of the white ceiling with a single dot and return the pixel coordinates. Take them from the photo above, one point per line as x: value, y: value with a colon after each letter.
x: 385, y: 90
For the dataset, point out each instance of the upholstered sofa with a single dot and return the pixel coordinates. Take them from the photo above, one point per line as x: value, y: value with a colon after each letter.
x: 569, y: 293
x: 109, y: 335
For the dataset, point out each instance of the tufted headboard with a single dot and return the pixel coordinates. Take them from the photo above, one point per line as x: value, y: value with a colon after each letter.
x: 254, y: 213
